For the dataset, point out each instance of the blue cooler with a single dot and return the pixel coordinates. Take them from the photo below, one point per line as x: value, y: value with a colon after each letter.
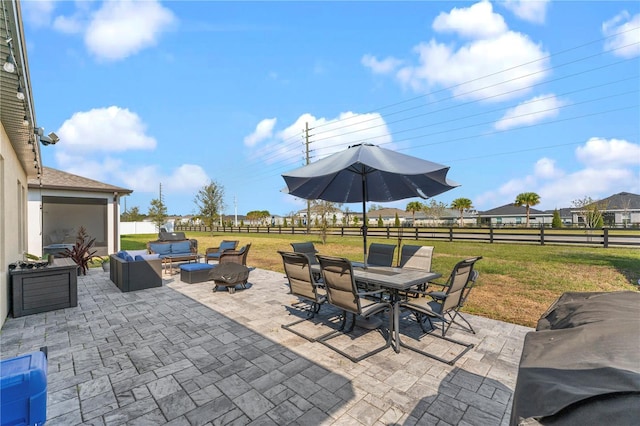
x: 23, y: 395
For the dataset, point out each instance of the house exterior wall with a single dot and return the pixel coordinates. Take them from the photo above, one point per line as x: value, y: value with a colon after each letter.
x: 13, y: 218
x: 37, y: 240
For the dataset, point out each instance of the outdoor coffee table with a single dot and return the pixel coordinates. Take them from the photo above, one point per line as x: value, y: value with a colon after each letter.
x: 168, y: 260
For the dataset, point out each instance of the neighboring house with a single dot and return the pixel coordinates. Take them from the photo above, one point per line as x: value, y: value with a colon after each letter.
x: 19, y: 147
x: 388, y: 216
x: 622, y: 209
x: 61, y: 202
x: 512, y: 215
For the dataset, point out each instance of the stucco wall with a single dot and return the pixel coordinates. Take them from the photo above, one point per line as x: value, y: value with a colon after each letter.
x: 12, y: 177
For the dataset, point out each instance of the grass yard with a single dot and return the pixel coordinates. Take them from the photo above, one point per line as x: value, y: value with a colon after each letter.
x: 517, y: 282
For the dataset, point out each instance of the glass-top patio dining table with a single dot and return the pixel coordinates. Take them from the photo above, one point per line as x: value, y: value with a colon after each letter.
x: 392, y: 279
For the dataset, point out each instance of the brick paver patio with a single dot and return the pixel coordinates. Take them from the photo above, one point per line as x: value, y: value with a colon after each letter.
x: 184, y: 355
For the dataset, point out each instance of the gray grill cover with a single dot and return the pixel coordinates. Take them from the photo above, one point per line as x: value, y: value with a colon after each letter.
x: 582, y: 366
x: 229, y: 273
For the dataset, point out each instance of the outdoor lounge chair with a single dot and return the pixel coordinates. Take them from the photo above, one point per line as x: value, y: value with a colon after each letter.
x: 342, y: 293
x: 303, y: 285
x: 443, y: 306
x: 213, y: 253
x: 381, y: 254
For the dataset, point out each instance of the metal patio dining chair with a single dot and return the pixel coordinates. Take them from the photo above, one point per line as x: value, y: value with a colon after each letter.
x: 303, y: 285
x: 342, y: 293
x: 416, y: 257
x: 381, y: 254
x: 444, y: 306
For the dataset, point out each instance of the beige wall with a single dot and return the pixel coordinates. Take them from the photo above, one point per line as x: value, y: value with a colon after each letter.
x: 13, y: 216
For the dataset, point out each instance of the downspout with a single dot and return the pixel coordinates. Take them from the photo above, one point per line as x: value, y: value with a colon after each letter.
x: 116, y: 223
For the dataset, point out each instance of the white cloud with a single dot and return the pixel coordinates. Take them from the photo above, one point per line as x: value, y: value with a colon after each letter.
x: 111, y: 129
x: 69, y: 24
x: 38, y: 13
x: 598, y: 152
x: 534, y: 11
x: 385, y: 66
x: 529, y: 112
x: 545, y: 168
x: 264, y: 130
x: 611, y: 166
x: 329, y: 135
x: 122, y: 28
x: 476, y: 21
x: 496, y: 65
x: 623, y: 34
x: 90, y: 142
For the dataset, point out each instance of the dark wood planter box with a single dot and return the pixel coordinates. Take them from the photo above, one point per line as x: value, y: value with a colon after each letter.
x: 44, y: 289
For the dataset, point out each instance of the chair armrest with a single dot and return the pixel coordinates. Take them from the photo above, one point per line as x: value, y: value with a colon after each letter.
x: 212, y: 250
x: 369, y: 293
x: 437, y: 295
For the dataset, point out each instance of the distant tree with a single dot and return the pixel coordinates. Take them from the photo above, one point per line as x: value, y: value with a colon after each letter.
x: 334, y: 220
x: 413, y: 207
x: 323, y: 209
x: 209, y: 202
x: 373, y: 207
x: 284, y: 222
x: 556, y: 222
x: 527, y: 199
x: 435, y: 210
x: 355, y: 221
x: 241, y: 222
x: 132, y: 215
x: 157, y: 212
x: 346, y: 217
x: 380, y: 221
x: 396, y: 222
x: 591, y: 211
x: 461, y: 204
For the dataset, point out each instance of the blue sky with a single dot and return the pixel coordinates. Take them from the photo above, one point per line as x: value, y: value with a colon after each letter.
x: 514, y: 96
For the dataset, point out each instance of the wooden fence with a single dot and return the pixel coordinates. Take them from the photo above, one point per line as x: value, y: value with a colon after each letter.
x: 592, y: 237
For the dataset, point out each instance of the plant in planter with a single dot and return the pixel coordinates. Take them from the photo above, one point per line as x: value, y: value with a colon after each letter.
x: 82, y: 252
x: 105, y: 264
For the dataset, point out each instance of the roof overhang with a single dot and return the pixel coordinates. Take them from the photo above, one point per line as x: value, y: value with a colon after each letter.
x: 14, y: 111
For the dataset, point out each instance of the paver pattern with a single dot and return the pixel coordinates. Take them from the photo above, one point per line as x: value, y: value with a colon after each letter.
x: 184, y: 355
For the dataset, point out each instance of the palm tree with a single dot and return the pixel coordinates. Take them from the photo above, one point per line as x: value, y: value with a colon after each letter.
x: 527, y: 199
x: 413, y: 207
x: 461, y: 204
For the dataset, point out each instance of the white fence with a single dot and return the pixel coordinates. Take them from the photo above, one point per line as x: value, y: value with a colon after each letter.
x: 128, y: 228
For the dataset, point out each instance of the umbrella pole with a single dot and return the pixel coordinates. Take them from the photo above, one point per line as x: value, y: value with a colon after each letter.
x: 364, y: 217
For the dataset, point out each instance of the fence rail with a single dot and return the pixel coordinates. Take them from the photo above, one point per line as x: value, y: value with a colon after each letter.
x: 592, y: 237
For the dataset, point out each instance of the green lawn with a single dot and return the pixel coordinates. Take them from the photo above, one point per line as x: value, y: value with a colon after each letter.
x: 517, y: 282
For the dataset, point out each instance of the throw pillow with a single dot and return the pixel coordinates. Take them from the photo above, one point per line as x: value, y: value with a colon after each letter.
x: 147, y: 256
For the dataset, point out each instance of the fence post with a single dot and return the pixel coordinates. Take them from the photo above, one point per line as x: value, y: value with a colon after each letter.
x: 542, y: 235
x: 490, y: 234
x: 416, y: 233
x: 451, y: 234
x: 342, y: 231
x: 605, y: 235
x: 388, y: 235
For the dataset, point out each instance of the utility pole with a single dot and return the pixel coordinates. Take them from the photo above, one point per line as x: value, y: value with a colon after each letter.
x: 306, y: 134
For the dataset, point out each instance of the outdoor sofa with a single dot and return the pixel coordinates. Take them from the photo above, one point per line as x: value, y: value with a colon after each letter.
x: 174, y: 246
x: 135, y: 270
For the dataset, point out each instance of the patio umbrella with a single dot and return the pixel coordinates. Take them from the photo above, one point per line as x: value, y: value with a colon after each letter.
x: 367, y: 172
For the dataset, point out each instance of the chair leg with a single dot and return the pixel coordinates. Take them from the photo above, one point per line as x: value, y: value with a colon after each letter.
x: 467, y: 346
x: 326, y: 337
x: 311, y: 312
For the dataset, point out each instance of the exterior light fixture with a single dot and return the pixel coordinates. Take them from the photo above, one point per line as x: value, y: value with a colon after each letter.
x: 9, y: 66
x: 25, y: 123
x: 20, y: 93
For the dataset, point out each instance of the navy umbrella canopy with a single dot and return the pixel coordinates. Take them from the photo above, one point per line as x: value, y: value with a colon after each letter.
x: 366, y: 172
